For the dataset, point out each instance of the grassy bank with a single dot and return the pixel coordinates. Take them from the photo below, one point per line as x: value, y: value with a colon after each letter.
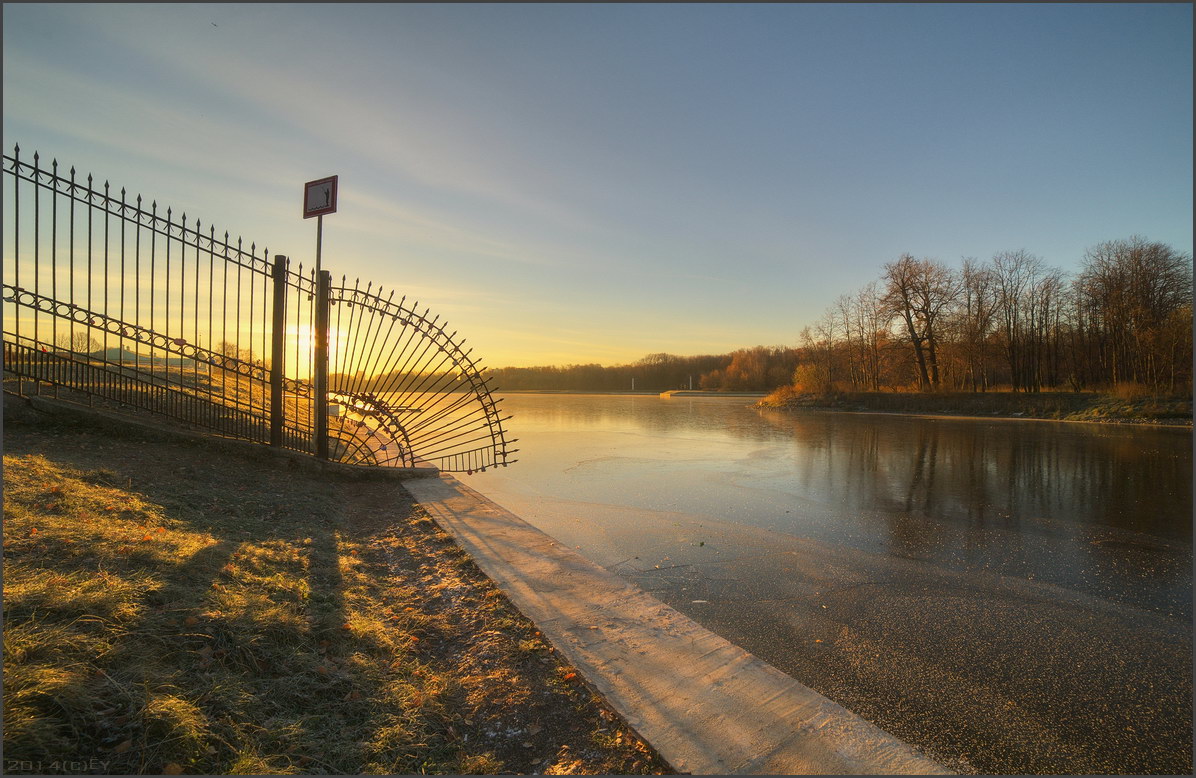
x: 1063, y: 406
x: 177, y: 610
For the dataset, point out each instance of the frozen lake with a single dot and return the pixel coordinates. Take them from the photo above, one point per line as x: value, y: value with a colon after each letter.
x: 1040, y: 565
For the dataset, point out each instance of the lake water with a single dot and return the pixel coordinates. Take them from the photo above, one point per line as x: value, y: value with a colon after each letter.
x: 992, y: 551
x: 1041, y: 500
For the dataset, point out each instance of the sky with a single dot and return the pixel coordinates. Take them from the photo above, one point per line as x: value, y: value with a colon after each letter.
x: 577, y: 183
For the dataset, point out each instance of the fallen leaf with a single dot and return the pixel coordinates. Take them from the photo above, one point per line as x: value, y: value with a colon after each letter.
x: 33, y: 531
x: 145, y: 539
x: 174, y: 768
x: 570, y: 676
x: 210, y: 750
x: 123, y: 747
x: 190, y: 621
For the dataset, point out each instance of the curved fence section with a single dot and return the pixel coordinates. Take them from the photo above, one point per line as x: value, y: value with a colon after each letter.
x: 109, y: 300
x: 417, y: 378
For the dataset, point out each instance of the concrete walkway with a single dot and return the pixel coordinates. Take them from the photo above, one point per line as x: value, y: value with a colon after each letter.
x: 706, y: 706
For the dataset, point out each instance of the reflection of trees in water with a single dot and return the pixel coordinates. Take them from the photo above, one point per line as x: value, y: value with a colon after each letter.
x: 995, y: 475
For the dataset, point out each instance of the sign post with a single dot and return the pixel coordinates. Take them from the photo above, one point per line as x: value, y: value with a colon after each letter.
x: 319, y: 198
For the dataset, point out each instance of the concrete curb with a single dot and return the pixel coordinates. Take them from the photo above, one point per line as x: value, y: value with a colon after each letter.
x: 707, y: 706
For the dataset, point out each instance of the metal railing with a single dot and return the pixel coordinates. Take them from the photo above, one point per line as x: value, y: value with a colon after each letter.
x: 107, y: 300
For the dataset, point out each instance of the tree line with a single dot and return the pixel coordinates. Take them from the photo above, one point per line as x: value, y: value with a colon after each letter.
x: 654, y: 372
x: 1013, y: 321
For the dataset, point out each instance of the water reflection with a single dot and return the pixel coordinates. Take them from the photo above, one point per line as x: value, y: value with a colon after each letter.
x: 1105, y: 510
x: 999, y: 474
x: 958, y: 582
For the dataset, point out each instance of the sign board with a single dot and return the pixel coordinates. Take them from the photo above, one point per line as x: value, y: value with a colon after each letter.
x: 319, y: 197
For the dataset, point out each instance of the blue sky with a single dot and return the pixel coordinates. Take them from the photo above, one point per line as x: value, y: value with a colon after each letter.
x: 592, y: 183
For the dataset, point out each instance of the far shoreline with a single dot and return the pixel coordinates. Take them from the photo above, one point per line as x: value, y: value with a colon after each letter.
x: 837, y: 405
x: 1093, y: 408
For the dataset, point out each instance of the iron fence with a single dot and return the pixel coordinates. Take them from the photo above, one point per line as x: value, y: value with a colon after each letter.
x: 106, y: 299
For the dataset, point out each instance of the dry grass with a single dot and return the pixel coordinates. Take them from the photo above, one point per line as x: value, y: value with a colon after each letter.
x: 169, y: 609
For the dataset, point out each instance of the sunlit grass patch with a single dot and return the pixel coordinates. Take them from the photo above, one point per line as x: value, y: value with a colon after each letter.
x: 168, y: 610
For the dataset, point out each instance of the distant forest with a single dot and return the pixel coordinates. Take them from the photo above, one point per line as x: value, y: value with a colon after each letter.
x: 1010, y: 323
x: 760, y: 368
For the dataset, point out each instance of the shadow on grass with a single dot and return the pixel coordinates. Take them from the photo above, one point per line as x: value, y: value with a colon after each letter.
x: 226, y: 650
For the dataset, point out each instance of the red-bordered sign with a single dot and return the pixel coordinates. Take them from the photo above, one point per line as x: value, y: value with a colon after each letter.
x: 319, y: 197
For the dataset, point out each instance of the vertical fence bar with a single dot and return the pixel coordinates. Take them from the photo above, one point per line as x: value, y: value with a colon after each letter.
x: 278, y: 348
x: 319, y: 401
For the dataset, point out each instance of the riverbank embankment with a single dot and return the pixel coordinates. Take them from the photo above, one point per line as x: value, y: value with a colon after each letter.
x: 1055, y: 406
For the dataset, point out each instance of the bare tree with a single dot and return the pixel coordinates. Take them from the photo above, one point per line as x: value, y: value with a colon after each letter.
x: 79, y: 341
x: 977, y: 308
x: 1133, y: 290
x: 1014, y: 273
x: 919, y: 292
x: 872, y: 318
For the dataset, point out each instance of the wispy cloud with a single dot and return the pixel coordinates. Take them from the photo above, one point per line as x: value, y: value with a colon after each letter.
x: 418, y: 139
